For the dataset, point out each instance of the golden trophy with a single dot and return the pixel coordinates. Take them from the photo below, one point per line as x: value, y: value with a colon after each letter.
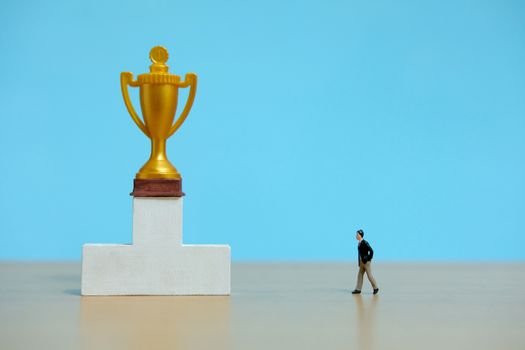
x: 158, y: 101
x: 157, y: 262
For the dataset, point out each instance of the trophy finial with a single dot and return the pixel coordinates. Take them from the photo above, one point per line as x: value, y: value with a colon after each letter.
x: 158, y: 56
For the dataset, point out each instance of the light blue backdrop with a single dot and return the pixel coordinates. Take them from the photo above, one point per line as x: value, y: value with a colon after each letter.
x: 312, y: 119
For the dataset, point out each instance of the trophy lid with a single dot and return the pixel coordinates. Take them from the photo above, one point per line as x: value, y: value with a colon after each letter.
x: 158, y: 71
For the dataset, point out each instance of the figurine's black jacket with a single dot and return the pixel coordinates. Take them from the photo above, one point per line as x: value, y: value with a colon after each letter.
x: 365, y: 252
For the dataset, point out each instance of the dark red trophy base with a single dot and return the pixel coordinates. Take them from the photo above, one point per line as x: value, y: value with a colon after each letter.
x: 157, y: 188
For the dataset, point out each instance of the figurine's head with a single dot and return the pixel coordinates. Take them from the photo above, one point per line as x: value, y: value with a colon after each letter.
x: 359, y: 235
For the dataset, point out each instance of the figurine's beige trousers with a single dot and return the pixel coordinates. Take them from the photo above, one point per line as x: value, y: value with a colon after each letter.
x: 362, y: 269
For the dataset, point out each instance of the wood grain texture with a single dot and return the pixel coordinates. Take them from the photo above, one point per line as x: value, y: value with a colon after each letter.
x: 157, y: 188
x: 274, y: 306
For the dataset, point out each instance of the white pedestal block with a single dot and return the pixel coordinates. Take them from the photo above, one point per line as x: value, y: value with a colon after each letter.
x: 157, y: 263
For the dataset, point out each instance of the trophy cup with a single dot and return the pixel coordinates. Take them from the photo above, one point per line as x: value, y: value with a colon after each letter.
x: 158, y: 100
x: 157, y: 263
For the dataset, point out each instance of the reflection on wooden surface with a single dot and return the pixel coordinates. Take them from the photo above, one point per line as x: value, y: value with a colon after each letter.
x: 145, y: 322
x: 366, y: 321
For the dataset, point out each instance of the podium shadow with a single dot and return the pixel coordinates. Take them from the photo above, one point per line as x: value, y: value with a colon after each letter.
x: 155, y: 322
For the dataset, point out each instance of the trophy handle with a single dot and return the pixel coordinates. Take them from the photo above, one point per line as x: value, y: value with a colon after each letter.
x: 189, y: 80
x: 126, y: 78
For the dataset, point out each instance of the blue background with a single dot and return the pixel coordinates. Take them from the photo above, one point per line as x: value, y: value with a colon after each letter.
x: 312, y: 119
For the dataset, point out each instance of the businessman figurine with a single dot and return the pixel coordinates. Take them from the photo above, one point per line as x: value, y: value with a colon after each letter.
x: 365, y: 261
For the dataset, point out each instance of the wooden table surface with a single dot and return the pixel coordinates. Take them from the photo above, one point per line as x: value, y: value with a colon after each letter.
x: 274, y: 306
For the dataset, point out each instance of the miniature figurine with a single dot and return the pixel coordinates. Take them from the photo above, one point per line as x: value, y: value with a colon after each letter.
x: 364, y: 258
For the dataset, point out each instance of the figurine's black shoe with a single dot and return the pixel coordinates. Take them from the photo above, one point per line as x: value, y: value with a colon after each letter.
x: 355, y: 291
x: 376, y: 290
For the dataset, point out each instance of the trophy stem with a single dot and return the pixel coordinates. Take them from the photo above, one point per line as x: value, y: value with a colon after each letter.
x: 158, y: 166
x: 158, y: 149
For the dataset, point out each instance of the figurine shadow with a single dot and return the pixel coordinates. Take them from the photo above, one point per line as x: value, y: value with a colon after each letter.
x: 340, y: 290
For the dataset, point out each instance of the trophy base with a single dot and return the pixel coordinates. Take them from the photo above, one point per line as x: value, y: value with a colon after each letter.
x: 158, y: 169
x: 157, y: 188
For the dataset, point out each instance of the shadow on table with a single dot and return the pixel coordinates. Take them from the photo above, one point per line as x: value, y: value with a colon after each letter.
x: 147, y: 322
x: 72, y: 291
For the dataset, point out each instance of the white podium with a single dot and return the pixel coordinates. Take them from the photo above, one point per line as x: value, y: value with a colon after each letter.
x: 157, y: 263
